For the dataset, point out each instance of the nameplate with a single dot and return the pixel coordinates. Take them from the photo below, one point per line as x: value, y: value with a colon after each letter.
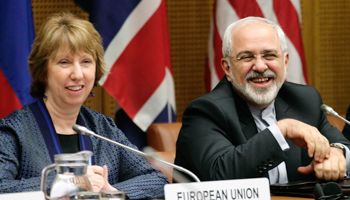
x: 254, y: 188
x: 36, y: 195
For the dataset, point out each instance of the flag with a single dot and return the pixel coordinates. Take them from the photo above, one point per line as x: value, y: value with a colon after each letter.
x: 16, y: 38
x: 286, y: 13
x: 137, y: 54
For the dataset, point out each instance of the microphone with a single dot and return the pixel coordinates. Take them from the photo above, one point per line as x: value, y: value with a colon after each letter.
x: 330, y: 190
x: 83, y: 130
x: 330, y: 111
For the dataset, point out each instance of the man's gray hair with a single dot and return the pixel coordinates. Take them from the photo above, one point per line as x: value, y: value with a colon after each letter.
x: 227, y: 41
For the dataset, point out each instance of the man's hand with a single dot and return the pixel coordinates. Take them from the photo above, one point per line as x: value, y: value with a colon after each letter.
x: 305, y: 136
x: 333, y: 168
x: 98, y: 177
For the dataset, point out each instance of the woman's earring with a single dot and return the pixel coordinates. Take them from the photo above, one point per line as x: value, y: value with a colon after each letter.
x: 92, y: 94
x: 44, y: 96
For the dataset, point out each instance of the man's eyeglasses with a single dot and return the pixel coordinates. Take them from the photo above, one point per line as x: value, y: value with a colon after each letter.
x: 247, y: 57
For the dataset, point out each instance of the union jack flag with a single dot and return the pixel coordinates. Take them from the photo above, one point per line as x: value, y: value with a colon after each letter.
x: 137, y: 54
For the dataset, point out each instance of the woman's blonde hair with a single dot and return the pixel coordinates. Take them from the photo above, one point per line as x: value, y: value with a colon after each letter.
x: 63, y: 30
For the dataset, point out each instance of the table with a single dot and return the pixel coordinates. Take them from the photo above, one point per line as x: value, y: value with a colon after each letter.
x: 276, y: 198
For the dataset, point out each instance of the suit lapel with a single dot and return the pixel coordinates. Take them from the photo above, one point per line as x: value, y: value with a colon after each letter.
x: 245, y: 117
x: 247, y: 123
x: 294, y: 153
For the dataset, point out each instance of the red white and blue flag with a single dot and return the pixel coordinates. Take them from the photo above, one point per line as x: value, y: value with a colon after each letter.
x: 16, y: 38
x: 286, y: 13
x: 137, y: 54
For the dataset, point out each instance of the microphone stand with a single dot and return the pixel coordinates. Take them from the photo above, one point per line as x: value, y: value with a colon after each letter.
x: 85, y: 131
x: 342, y: 118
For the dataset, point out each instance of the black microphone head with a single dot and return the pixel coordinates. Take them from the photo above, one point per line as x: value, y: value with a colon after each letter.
x: 332, y: 188
x: 318, y: 192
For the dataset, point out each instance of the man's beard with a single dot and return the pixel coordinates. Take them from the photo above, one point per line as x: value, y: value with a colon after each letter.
x: 260, y: 96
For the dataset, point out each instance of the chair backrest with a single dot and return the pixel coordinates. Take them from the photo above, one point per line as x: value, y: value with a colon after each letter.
x: 163, y: 136
x: 168, y: 156
x: 336, y: 122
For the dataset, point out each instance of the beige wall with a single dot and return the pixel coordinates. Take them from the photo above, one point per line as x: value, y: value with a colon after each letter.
x: 325, y: 29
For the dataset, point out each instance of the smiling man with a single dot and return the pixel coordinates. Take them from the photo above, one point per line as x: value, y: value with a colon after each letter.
x: 254, y: 124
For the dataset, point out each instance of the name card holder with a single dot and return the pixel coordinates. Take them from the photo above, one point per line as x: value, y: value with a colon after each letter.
x: 36, y: 195
x: 253, y: 188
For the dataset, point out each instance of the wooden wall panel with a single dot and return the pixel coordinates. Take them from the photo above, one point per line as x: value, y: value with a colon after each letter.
x: 189, y: 23
x: 43, y: 8
x: 326, y: 33
x: 334, y: 53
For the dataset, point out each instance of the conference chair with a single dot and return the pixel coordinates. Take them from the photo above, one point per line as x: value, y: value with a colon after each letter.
x: 336, y: 122
x: 162, y: 137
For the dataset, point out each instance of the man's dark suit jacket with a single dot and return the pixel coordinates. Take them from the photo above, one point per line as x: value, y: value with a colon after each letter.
x: 346, y: 130
x: 219, y: 139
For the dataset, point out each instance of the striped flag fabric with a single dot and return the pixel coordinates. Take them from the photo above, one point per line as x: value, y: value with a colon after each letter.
x: 16, y: 38
x: 137, y: 54
x: 286, y: 13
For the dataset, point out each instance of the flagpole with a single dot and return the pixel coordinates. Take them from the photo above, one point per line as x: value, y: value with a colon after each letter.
x: 170, y: 120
